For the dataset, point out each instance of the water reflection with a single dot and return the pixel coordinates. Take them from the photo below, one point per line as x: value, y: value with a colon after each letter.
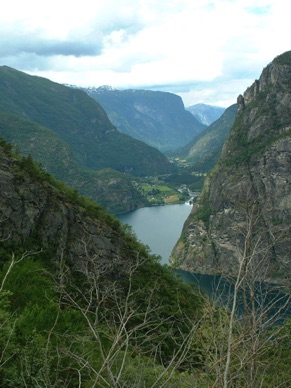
x: 262, y: 299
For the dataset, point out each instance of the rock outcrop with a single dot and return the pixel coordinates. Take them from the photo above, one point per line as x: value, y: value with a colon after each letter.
x: 245, y: 207
x: 33, y: 209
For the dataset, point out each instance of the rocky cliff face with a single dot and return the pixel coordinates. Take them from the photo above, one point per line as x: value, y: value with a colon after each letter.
x: 32, y: 209
x: 245, y: 207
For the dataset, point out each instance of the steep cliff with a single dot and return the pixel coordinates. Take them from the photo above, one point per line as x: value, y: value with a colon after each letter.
x: 36, y: 210
x: 245, y: 206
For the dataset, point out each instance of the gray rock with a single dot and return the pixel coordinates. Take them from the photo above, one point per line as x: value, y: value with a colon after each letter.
x: 252, y: 182
x: 31, y: 208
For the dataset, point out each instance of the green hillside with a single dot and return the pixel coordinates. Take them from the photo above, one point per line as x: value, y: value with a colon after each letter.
x: 204, y: 150
x: 42, y: 143
x: 113, y: 190
x: 78, y: 120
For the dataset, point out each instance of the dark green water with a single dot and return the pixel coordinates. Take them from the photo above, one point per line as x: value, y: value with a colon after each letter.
x: 270, y: 300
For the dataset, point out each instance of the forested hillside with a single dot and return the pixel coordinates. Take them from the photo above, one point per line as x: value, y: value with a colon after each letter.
x: 204, y: 150
x: 71, y: 135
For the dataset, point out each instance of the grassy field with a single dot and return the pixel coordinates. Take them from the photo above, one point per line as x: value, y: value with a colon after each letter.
x: 162, y: 194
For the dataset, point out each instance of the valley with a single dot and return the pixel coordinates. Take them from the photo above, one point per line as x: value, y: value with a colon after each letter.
x: 84, y: 300
x: 71, y: 136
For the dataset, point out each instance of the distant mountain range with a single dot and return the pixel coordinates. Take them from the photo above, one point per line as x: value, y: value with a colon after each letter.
x: 157, y: 118
x: 71, y: 135
x: 206, y: 114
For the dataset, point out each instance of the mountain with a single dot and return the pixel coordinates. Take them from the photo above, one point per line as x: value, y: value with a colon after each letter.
x: 156, y: 118
x: 204, y: 150
x: 71, y: 135
x: 206, y: 114
x: 112, y: 189
x: 243, y: 216
x: 79, y: 294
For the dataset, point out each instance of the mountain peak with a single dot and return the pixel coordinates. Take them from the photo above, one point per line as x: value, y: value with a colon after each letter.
x: 103, y: 88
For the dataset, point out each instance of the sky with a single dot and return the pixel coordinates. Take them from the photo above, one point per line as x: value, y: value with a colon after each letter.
x: 206, y: 51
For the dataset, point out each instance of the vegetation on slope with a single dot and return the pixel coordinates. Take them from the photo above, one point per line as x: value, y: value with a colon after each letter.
x: 79, y: 121
x: 203, y: 152
x: 264, y: 116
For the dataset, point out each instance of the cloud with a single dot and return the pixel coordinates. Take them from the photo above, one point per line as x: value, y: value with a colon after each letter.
x: 204, y: 50
x: 41, y: 47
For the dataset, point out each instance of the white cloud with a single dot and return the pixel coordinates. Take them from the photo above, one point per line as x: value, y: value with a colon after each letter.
x: 211, y: 47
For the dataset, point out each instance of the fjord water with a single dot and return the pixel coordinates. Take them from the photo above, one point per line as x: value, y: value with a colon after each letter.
x: 159, y: 227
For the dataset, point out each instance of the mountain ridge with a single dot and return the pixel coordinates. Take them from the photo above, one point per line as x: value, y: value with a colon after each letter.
x: 156, y: 118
